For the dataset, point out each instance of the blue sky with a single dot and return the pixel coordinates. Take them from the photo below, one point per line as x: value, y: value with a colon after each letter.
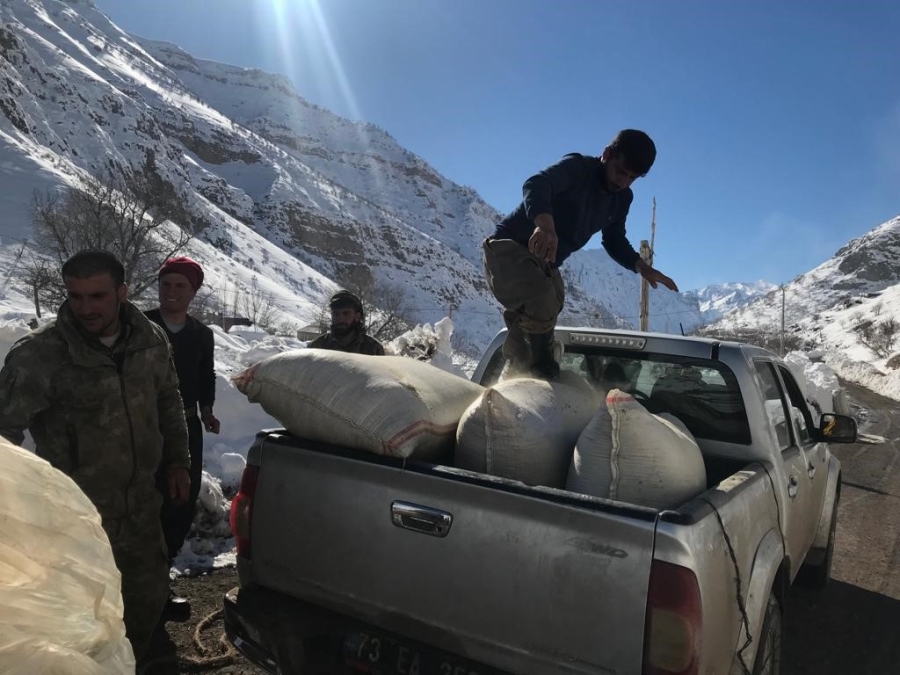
x: 777, y: 124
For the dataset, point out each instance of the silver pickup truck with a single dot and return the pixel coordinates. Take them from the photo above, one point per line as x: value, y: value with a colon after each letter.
x: 352, y: 562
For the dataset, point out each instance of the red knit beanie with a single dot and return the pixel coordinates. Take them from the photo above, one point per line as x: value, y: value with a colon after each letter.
x: 186, y: 266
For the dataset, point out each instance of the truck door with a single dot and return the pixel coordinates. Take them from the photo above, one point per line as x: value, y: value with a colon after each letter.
x: 799, y: 514
x: 816, y: 453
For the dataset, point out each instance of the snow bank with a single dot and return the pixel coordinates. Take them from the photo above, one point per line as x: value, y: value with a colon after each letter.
x: 866, y: 375
x: 427, y: 343
x: 818, y: 380
x: 210, y: 543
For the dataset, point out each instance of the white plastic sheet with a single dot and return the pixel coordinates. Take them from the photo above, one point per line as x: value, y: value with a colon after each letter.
x: 60, y: 591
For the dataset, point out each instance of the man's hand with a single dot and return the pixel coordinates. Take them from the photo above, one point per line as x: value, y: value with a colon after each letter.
x: 179, y: 485
x: 210, y: 423
x: 653, y: 276
x: 543, y: 240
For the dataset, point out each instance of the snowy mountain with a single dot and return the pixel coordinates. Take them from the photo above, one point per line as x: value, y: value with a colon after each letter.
x: 717, y: 300
x: 821, y: 307
x: 284, y: 195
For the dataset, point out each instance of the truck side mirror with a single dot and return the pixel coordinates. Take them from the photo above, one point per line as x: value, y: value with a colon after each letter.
x: 837, y: 428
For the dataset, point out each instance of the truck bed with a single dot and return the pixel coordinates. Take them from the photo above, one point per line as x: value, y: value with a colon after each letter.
x: 344, y: 507
x: 386, y: 542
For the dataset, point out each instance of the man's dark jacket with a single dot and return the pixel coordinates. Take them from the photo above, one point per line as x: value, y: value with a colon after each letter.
x: 193, y: 350
x: 571, y: 191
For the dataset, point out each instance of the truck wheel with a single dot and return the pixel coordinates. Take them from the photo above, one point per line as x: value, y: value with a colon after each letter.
x: 768, y: 654
x: 815, y: 577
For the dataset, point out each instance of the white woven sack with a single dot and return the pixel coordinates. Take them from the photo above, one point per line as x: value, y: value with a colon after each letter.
x: 60, y: 591
x: 525, y: 429
x: 388, y: 405
x: 630, y: 455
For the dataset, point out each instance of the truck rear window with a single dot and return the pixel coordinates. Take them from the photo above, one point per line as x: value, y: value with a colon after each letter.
x: 703, y: 394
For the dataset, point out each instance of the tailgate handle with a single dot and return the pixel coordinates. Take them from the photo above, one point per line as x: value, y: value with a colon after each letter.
x: 422, y: 519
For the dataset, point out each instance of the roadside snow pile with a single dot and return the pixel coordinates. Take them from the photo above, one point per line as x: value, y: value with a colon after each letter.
x: 210, y: 544
x: 427, y: 343
x: 818, y: 380
x: 866, y: 375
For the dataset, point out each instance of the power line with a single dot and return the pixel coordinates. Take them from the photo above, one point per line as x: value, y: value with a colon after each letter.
x: 456, y: 309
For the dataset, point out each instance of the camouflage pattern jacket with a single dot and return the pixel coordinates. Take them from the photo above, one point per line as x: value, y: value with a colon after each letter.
x: 356, y: 342
x: 104, y: 416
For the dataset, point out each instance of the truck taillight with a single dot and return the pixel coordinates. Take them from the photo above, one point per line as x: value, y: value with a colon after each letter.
x: 672, y: 631
x: 242, y: 510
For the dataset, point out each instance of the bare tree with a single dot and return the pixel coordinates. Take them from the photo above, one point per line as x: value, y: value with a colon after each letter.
x: 389, y: 312
x: 41, y: 275
x: 123, y: 213
x: 259, y: 306
x: 11, y: 271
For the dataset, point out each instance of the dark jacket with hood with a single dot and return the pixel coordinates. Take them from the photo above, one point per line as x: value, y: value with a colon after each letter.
x: 106, y: 416
x: 571, y: 191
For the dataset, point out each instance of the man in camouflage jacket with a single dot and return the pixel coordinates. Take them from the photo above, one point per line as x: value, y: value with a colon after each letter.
x: 348, y: 328
x: 98, y: 392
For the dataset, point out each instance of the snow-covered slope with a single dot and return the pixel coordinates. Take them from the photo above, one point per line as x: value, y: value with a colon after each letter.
x: 824, y: 307
x: 717, y: 300
x: 283, y: 194
x: 865, y: 266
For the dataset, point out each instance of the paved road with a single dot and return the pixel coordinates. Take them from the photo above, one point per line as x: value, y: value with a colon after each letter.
x: 853, y: 626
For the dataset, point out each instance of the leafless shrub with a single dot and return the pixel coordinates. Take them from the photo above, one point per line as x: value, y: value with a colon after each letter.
x: 121, y: 212
x: 880, y: 337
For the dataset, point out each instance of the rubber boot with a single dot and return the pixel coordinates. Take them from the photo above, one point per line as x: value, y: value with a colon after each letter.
x: 543, y: 365
x: 517, y: 352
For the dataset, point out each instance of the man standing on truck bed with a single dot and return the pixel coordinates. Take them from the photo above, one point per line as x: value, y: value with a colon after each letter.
x: 193, y: 348
x: 348, y: 328
x: 98, y: 392
x: 563, y: 206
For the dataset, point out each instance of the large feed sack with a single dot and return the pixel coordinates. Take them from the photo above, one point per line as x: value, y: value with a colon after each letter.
x: 60, y: 591
x: 525, y: 429
x: 628, y: 454
x: 388, y: 405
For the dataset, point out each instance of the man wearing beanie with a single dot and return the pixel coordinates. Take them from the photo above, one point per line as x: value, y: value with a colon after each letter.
x: 348, y: 328
x: 192, y: 346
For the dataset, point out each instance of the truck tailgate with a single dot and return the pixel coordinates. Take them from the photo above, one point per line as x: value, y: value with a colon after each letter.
x: 517, y: 580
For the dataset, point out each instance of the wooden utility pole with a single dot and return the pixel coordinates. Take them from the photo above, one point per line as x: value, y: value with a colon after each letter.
x: 782, y: 319
x: 647, y: 257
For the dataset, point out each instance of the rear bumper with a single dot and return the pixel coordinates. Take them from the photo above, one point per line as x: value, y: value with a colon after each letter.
x: 283, y: 635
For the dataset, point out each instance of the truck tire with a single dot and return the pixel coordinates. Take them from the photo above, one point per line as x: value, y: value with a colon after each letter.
x: 768, y: 654
x: 815, y: 577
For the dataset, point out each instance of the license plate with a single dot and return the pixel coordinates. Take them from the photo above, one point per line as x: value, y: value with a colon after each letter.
x: 379, y: 655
